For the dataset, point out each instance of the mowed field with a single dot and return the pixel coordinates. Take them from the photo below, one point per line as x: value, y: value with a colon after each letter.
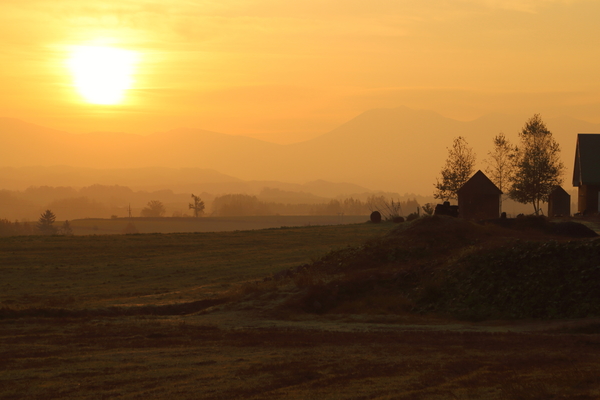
x: 164, y: 316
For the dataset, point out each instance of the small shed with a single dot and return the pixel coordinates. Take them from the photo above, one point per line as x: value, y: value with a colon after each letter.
x: 586, y: 172
x: 559, y: 203
x: 479, y: 198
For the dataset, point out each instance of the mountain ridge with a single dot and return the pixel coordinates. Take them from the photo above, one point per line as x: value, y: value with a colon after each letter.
x: 391, y: 149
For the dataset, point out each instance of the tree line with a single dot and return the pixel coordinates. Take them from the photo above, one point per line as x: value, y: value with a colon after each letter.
x: 527, y: 172
x: 44, y: 226
x: 235, y: 205
x: 247, y: 205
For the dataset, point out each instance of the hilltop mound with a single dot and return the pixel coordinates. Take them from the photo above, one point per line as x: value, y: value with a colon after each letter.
x: 448, y: 266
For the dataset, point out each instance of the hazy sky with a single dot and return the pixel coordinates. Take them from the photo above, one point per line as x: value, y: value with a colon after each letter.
x: 289, y: 70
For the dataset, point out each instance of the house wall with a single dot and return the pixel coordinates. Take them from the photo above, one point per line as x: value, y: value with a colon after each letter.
x: 559, y: 205
x: 588, y: 199
x: 479, y: 206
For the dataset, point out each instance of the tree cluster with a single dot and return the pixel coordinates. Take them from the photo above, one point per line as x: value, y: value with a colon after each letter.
x: 527, y: 172
x: 153, y: 209
x: 44, y: 226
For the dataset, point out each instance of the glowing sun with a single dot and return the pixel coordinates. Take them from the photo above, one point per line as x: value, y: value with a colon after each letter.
x: 102, y: 75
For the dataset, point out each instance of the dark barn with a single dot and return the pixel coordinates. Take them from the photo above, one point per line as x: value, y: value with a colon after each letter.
x: 559, y: 203
x: 479, y: 198
x: 586, y: 172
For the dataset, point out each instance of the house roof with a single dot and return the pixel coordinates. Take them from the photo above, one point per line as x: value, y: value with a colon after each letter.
x: 587, y: 160
x: 479, y: 183
x: 559, y: 191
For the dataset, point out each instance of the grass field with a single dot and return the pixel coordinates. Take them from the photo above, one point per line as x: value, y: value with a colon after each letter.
x: 98, y: 226
x: 106, y: 270
x: 88, y: 317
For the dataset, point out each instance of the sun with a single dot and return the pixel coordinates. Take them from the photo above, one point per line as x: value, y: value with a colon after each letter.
x: 102, y: 74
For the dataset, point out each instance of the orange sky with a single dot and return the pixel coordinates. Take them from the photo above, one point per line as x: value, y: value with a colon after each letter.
x: 285, y: 71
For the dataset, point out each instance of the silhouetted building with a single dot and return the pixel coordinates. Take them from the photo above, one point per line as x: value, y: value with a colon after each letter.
x: 559, y: 203
x: 479, y: 198
x: 586, y: 172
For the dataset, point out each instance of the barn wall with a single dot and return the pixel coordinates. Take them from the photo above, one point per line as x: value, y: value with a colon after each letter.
x: 479, y: 206
x: 588, y: 199
x: 559, y: 204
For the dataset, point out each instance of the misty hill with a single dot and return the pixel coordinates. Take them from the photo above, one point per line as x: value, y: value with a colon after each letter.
x: 400, y: 149
x: 190, y: 180
x: 147, y: 178
x: 72, y: 192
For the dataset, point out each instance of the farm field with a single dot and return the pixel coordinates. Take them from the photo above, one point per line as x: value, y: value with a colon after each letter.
x: 173, y: 316
x: 99, y: 226
x: 107, y: 270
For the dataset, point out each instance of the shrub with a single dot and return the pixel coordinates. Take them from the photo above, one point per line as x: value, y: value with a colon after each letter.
x: 412, y: 216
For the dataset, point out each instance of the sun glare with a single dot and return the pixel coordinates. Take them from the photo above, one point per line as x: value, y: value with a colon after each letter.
x: 102, y: 75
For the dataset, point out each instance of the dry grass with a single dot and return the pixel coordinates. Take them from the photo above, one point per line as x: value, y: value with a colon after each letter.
x: 186, y: 358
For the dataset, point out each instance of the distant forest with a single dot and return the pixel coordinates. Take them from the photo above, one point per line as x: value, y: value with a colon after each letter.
x: 246, y: 205
x: 102, y: 201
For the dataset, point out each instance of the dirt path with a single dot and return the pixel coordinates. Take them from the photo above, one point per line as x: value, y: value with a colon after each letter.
x: 235, y: 320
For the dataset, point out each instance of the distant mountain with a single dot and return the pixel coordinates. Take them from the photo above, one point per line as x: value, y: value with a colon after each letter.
x: 148, y: 178
x: 178, y: 180
x: 403, y: 150
x: 399, y: 150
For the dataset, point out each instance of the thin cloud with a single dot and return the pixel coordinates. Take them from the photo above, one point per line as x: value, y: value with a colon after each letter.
x: 527, y: 6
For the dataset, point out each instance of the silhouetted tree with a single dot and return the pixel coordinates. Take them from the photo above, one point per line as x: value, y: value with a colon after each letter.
x: 154, y: 208
x: 197, y: 206
x: 45, y: 222
x: 66, y: 229
x: 501, y: 163
x: 458, y: 169
x: 428, y: 209
x: 538, y: 168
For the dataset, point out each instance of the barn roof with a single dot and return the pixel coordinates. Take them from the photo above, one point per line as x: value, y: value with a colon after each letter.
x: 479, y: 183
x: 587, y: 160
